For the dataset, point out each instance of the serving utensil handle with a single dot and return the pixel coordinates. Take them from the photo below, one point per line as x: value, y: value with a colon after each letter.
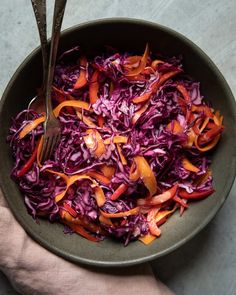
x: 39, y: 7
x: 59, y: 9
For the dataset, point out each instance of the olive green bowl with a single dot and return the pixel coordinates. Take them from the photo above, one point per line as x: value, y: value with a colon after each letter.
x: 129, y: 35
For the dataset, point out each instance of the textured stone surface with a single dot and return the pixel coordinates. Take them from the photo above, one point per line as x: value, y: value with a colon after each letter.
x: 207, y: 264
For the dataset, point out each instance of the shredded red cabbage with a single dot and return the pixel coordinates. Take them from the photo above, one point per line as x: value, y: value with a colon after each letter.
x: 168, y: 133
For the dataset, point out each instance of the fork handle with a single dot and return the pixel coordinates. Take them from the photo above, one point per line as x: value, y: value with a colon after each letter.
x: 39, y: 7
x: 59, y: 8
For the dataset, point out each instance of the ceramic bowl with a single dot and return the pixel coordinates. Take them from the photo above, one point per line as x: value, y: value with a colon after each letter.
x: 129, y: 35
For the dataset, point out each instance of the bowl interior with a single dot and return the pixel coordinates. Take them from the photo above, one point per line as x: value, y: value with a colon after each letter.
x: 125, y: 35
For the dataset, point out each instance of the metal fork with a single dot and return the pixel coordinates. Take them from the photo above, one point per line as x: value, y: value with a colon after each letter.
x: 39, y: 6
x: 52, y: 127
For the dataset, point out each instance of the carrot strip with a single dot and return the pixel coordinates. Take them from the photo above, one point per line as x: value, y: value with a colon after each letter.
x: 146, y: 96
x: 71, y: 103
x: 202, y: 109
x: 140, y: 67
x: 101, y: 121
x: 132, y: 61
x: 70, y: 210
x: 122, y: 157
x: 152, y: 224
x: 80, y: 230
x: 59, y: 95
x: 81, y: 220
x: 99, y: 177
x: 93, y: 88
x: 180, y: 201
x: 68, y: 103
x: 200, y: 125
x: 108, y: 171
x: 147, y: 71
x: 31, y: 126
x: 142, y: 98
x: 191, y: 137
x: 208, y: 147
x: 133, y: 211
x: 65, y: 215
x: 155, y: 63
x: 119, y: 191
x: 139, y: 77
x: 218, y: 119
x: 94, y: 142
x: 175, y: 127
x: 134, y: 172
x: 208, y: 136
x: 116, y: 139
x: 71, y: 180
x: 201, y: 179
x: 163, y: 79
x: 139, y: 113
x: 147, y: 239
x: 99, y: 196
x: 182, y: 89
x: 159, y: 199
x: 81, y: 81
x: 105, y: 220
x: 189, y: 166
x: 145, y: 172
x: 86, y: 120
x: 163, y: 214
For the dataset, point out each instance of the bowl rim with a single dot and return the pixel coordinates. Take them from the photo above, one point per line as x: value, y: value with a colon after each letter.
x: 228, y: 185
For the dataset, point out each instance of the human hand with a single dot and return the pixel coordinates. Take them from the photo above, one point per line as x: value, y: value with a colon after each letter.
x: 34, y: 270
